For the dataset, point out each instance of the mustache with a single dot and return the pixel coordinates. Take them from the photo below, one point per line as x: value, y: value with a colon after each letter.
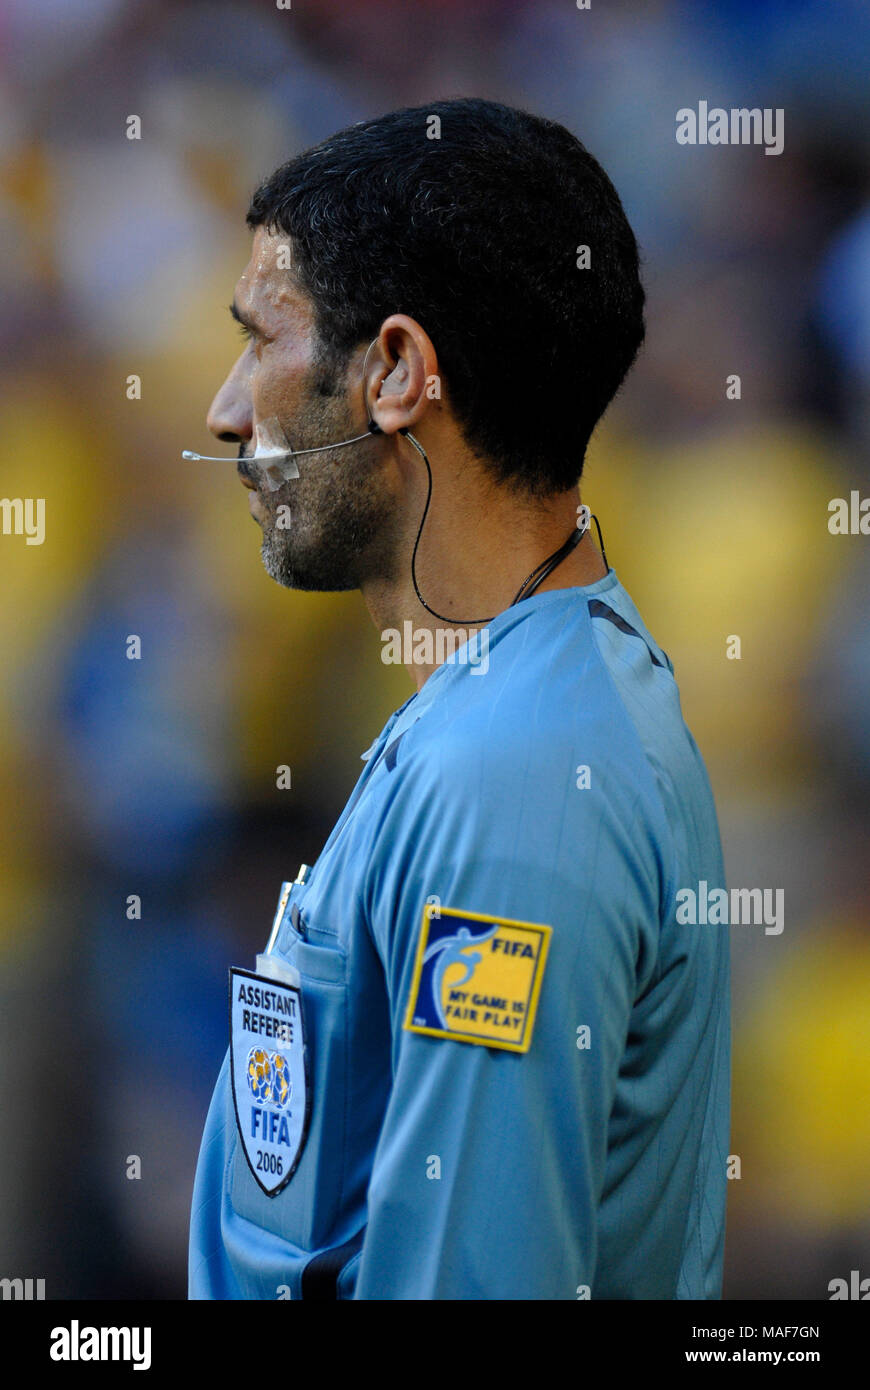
x: 243, y: 465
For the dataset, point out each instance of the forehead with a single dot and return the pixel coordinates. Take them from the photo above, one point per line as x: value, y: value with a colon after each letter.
x: 268, y: 289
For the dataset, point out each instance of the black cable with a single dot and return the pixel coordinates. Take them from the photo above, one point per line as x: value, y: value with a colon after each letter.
x: 538, y: 574
x: 600, y: 540
x: 547, y: 566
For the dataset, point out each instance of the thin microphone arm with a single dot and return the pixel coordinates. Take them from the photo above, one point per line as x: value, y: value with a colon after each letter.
x: 282, y: 453
x: 206, y: 458
x: 322, y: 448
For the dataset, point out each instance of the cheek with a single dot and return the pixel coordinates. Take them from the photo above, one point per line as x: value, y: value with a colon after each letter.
x: 277, y: 385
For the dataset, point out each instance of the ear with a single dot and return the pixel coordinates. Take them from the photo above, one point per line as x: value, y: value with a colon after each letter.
x: 402, y: 361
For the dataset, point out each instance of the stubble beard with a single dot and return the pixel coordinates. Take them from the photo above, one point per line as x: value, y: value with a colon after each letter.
x: 340, y: 532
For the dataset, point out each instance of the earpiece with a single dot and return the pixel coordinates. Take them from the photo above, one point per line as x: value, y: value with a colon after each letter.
x: 374, y: 428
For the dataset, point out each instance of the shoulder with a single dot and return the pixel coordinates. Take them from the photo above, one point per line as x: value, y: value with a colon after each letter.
x: 541, y: 703
x: 536, y: 751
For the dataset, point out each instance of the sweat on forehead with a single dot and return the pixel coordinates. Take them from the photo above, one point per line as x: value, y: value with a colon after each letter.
x: 268, y: 291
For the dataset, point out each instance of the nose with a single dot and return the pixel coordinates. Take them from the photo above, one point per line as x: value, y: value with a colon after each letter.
x: 230, y: 416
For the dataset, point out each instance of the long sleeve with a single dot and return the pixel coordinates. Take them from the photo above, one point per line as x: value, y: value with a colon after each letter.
x: 491, y: 1162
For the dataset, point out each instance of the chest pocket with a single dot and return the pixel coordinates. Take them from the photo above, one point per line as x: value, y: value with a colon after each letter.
x: 306, y: 1210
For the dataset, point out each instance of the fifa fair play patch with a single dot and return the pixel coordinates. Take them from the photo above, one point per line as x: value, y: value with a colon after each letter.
x: 477, y: 979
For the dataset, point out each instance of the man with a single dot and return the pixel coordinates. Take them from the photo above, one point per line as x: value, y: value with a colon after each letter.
x: 481, y: 1058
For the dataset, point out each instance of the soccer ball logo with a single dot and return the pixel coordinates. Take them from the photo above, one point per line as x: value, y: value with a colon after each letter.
x: 268, y: 1077
x: 280, y: 1079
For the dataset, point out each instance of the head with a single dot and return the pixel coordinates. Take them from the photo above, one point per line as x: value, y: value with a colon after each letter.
x: 445, y: 240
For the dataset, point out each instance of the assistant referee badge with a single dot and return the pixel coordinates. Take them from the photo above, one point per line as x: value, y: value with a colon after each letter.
x: 268, y: 1068
x: 477, y: 979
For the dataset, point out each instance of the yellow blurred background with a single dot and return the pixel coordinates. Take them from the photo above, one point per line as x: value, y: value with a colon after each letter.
x: 156, y: 777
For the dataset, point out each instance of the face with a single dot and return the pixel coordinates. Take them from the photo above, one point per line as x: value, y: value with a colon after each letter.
x: 330, y: 528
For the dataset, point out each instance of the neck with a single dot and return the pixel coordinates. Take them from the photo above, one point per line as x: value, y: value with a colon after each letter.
x: 478, y: 544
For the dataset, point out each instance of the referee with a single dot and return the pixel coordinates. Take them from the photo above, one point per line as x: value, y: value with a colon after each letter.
x: 478, y: 1057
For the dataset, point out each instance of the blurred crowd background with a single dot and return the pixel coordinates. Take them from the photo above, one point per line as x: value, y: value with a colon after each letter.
x: 157, y: 777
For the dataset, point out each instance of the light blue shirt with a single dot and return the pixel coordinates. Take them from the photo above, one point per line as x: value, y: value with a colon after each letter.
x: 559, y: 786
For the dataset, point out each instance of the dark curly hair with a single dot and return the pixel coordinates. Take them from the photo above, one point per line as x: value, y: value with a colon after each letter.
x: 474, y: 234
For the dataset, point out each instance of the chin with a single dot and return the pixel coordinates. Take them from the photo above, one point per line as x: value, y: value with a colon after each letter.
x: 310, y: 574
x: 277, y: 564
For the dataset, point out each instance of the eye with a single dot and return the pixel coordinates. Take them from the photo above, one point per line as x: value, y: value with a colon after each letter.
x: 245, y: 332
